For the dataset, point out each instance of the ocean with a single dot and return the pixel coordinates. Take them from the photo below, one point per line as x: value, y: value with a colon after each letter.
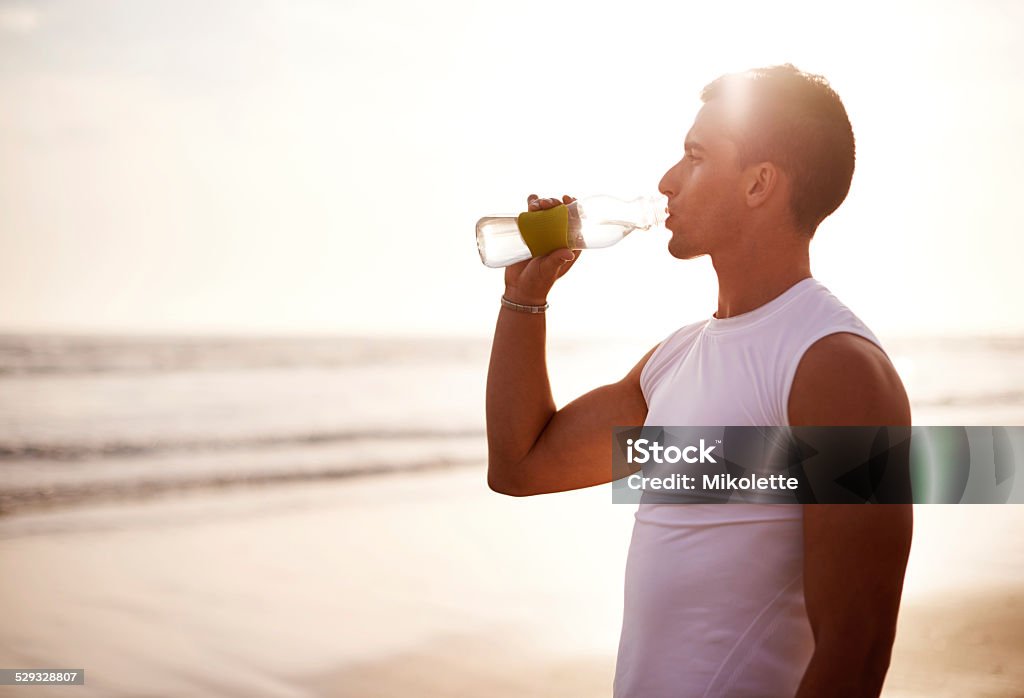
x: 86, y: 418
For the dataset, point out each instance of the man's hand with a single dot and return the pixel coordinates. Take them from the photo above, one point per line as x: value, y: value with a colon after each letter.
x: 529, y: 281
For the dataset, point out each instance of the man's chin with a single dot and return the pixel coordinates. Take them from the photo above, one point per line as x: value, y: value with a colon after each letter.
x: 680, y: 250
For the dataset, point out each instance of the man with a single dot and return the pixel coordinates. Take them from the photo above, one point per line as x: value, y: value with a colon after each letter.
x: 730, y: 599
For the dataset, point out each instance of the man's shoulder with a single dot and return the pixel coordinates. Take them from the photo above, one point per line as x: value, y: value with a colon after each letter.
x: 838, y: 348
x: 846, y: 379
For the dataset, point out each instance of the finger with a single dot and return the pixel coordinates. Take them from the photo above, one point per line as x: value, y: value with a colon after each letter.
x: 531, y: 202
x: 554, y: 261
x: 566, y: 199
x: 568, y: 264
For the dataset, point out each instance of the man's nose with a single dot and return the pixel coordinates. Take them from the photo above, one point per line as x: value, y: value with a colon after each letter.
x: 668, y: 186
x: 664, y: 185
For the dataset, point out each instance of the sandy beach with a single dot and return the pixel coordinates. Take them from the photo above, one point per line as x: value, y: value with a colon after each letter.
x: 420, y: 584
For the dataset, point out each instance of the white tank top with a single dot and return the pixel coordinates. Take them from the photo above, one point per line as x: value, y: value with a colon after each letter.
x: 714, y: 601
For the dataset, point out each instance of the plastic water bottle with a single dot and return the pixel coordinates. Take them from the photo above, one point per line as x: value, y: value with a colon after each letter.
x: 591, y: 222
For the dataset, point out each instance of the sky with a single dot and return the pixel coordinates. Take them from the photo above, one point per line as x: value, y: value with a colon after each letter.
x: 318, y: 167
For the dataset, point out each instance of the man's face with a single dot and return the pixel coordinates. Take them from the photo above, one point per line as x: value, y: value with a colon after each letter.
x: 704, y: 189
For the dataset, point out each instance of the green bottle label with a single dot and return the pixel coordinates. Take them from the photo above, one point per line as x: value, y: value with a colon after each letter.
x: 545, y: 231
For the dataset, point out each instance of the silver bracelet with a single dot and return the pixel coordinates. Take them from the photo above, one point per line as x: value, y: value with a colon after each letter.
x: 532, y: 309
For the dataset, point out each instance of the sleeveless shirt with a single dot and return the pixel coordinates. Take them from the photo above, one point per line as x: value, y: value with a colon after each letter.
x: 713, y: 597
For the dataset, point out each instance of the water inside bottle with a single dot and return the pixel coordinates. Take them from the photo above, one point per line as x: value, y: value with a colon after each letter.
x: 605, y: 233
x: 499, y: 242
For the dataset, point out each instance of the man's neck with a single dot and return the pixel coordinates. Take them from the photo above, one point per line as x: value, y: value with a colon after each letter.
x: 750, y: 279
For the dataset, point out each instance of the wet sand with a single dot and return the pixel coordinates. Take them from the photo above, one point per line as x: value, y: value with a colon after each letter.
x: 421, y: 584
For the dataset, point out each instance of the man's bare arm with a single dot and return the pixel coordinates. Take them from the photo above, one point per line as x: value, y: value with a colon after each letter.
x: 534, y: 448
x: 855, y: 556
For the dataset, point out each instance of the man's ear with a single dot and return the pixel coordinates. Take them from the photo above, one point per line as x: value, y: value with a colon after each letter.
x: 761, y: 180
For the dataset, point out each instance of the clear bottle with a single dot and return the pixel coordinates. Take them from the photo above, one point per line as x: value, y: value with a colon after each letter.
x: 594, y: 221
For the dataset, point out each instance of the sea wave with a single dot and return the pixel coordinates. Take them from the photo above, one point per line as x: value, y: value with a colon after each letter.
x: 17, y: 500
x: 83, y: 451
x: 26, y: 354
x: 119, y: 471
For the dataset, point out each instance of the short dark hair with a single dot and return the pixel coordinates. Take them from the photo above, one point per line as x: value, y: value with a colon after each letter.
x: 797, y: 121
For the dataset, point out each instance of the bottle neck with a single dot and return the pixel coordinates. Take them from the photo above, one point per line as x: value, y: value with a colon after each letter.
x: 640, y: 213
x: 653, y: 211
